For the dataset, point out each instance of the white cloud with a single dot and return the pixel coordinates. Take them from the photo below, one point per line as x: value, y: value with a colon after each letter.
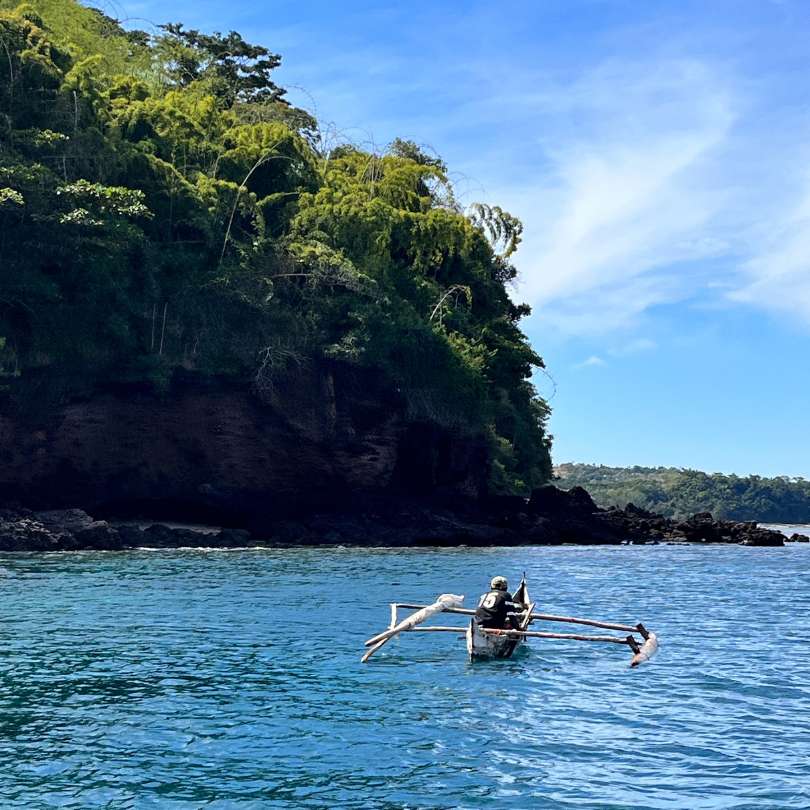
x: 593, y: 360
x: 630, y: 196
x: 777, y: 277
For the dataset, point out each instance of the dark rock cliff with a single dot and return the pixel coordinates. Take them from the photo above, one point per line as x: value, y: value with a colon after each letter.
x: 550, y: 517
x: 223, y: 453
x: 327, y: 456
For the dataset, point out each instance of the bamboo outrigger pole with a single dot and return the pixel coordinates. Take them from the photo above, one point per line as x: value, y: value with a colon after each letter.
x: 539, y: 634
x: 642, y: 652
x: 544, y: 617
x: 445, y: 602
x: 648, y: 649
x: 547, y: 617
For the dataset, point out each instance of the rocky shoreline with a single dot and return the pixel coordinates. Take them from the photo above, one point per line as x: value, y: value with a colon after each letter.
x: 332, y: 457
x: 551, y: 516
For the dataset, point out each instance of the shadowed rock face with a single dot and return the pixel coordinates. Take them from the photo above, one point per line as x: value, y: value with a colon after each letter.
x: 327, y: 457
x: 224, y: 454
x: 386, y: 520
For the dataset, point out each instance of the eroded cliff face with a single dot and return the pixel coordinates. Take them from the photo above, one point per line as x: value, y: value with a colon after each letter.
x: 322, y: 436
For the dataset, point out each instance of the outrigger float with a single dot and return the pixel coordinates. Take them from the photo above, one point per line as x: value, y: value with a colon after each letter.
x: 484, y: 643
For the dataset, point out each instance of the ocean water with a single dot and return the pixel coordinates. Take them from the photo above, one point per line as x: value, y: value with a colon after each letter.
x: 195, y: 679
x: 788, y: 528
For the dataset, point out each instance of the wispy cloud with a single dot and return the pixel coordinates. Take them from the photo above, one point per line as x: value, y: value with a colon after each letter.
x: 593, y: 360
x: 630, y: 194
x: 777, y: 277
x: 652, y: 158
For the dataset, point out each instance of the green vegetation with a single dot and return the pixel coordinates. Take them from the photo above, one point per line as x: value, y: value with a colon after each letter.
x: 165, y: 210
x: 680, y: 493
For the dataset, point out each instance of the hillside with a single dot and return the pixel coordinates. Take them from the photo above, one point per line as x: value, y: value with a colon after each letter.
x: 169, y: 222
x: 675, y: 492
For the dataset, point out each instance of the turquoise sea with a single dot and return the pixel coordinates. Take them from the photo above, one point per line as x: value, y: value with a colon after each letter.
x: 231, y: 679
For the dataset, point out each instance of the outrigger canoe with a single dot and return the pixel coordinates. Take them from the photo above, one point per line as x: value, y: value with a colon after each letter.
x: 486, y: 643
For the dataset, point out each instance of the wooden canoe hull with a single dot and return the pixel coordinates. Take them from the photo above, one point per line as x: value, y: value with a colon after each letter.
x: 481, y: 646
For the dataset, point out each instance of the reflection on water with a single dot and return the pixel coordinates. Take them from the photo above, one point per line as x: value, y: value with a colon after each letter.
x: 232, y: 679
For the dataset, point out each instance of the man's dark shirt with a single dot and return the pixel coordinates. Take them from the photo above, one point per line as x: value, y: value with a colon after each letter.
x: 493, y: 608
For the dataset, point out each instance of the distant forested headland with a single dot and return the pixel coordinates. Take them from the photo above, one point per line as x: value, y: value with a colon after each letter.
x: 166, y: 212
x: 679, y: 493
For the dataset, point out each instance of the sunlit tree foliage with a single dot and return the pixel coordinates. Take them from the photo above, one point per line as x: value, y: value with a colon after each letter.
x: 676, y: 492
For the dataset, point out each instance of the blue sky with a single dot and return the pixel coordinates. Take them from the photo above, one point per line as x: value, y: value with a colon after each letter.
x: 658, y: 155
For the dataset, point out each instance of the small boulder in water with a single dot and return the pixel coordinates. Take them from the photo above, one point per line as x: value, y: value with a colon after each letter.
x: 99, y: 535
x: 756, y: 536
x: 549, y: 500
x: 21, y: 531
x: 65, y: 520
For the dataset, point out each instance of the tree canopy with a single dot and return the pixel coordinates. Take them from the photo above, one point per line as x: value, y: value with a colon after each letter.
x: 679, y: 493
x: 164, y: 210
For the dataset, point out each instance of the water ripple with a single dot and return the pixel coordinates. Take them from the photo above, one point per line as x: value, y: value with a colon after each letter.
x: 219, y: 680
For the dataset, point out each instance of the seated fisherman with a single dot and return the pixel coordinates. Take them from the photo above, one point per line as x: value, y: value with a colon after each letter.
x: 496, y: 609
